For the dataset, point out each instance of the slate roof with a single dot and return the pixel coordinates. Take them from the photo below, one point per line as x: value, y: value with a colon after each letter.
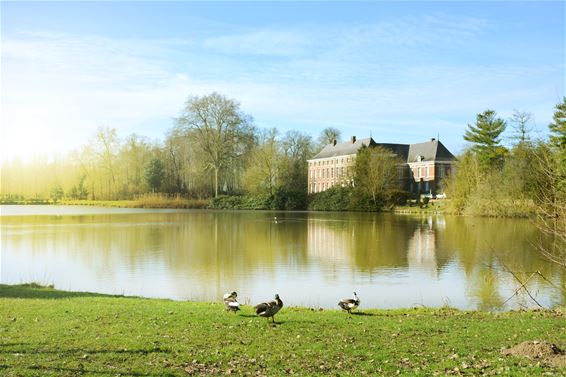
x: 401, y: 150
x: 432, y: 150
x: 343, y: 149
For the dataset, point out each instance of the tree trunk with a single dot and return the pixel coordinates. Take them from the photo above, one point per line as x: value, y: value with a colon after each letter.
x: 215, y: 182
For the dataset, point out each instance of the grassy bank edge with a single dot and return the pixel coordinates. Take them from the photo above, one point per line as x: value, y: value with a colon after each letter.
x: 57, y: 333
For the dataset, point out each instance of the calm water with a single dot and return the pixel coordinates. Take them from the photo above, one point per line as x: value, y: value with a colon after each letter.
x: 311, y: 259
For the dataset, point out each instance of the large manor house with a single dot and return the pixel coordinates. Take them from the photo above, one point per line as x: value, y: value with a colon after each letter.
x: 423, y: 168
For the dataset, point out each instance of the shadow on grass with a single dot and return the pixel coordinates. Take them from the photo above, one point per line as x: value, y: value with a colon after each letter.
x: 363, y: 314
x: 81, y: 371
x: 249, y: 315
x: 13, y: 344
x: 35, y: 290
x: 78, y: 351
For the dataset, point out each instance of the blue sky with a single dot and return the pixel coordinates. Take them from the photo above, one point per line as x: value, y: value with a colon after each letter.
x: 404, y: 71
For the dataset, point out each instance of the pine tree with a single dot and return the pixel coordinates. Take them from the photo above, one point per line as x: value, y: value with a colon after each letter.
x: 485, y: 136
x: 154, y: 174
x: 558, y: 127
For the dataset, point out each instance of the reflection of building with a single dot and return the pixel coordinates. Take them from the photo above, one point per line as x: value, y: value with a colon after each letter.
x: 421, y: 253
x: 424, y: 164
x: 327, y: 243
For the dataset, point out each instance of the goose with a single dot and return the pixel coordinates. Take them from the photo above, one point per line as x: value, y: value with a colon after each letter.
x: 269, y: 309
x: 230, y: 302
x: 349, y: 304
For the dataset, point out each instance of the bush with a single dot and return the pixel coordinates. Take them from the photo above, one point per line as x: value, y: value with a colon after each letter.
x: 289, y: 200
x: 334, y: 199
x: 366, y: 203
x: 281, y: 200
x: 397, y: 197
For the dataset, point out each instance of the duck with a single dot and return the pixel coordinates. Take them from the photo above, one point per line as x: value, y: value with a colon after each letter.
x: 230, y: 302
x: 269, y: 309
x: 349, y: 304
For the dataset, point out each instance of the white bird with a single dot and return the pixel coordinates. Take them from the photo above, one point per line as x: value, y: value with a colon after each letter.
x: 349, y: 304
x: 230, y: 302
x: 269, y: 309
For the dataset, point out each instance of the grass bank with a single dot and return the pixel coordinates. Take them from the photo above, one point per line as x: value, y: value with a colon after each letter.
x: 433, y: 207
x: 145, y: 201
x: 52, y: 333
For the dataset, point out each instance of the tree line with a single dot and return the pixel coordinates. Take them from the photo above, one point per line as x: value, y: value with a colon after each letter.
x: 213, y: 148
x: 525, y: 178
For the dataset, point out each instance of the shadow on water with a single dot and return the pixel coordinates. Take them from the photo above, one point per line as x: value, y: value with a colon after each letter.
x: 35, y: 290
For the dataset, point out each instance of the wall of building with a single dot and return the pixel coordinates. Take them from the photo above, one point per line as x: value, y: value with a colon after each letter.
x: 416, y: 177
x: 327, y: 172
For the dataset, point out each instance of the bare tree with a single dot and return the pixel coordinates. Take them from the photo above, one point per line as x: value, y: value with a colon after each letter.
x: 220, y: 129
x: 328, y: 135
x: 521, y: 121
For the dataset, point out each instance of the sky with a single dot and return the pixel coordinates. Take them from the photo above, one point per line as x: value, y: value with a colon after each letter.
x: 403, y: 71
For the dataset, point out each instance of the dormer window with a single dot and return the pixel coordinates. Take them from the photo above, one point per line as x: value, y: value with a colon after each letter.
x: 420, y: 158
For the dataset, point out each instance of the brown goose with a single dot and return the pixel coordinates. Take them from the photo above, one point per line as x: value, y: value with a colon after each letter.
x: 230, y: 302
x: 349, y: 304
x: 269, y: 309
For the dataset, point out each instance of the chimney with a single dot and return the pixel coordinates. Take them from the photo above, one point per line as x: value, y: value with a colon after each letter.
x: 334, y: 142
x: 353, y: 139
x: 432, y: 139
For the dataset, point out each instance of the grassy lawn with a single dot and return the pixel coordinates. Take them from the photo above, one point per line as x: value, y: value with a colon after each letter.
x: 44, y: 332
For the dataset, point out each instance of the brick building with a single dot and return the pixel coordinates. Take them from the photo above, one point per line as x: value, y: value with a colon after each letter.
x: 424, y: 167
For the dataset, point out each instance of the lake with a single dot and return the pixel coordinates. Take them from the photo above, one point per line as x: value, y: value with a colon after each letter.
x: 309, y: 258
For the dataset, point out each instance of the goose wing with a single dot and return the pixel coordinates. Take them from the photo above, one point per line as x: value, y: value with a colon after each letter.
x: 347, y: 303
x: 231, y: 303
x: 266, y: 308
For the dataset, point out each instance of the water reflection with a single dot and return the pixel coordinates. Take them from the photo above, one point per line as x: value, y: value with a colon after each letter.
x: 308, y: 258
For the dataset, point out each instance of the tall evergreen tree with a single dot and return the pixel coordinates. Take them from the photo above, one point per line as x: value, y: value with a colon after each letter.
x: 558, y: 127
x: 485, y: 136
x: 154, y: 174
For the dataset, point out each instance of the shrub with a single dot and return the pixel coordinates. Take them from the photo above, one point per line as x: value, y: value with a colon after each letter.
x: 334, y: 199
x: 397, y: 197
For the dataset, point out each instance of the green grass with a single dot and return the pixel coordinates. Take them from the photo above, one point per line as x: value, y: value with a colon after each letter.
x: 44, y: 332
x: 433, y: 207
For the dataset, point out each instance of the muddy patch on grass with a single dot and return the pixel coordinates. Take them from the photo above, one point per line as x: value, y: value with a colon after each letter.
x: 540, y: 350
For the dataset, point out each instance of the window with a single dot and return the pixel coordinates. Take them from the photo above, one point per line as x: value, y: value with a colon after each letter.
x: 426, y: 172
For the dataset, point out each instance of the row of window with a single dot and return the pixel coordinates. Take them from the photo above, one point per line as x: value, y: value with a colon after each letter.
x: 328, y: 172
x: 318, y: 187
x: 419, y: 172
x: 330, y: 162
